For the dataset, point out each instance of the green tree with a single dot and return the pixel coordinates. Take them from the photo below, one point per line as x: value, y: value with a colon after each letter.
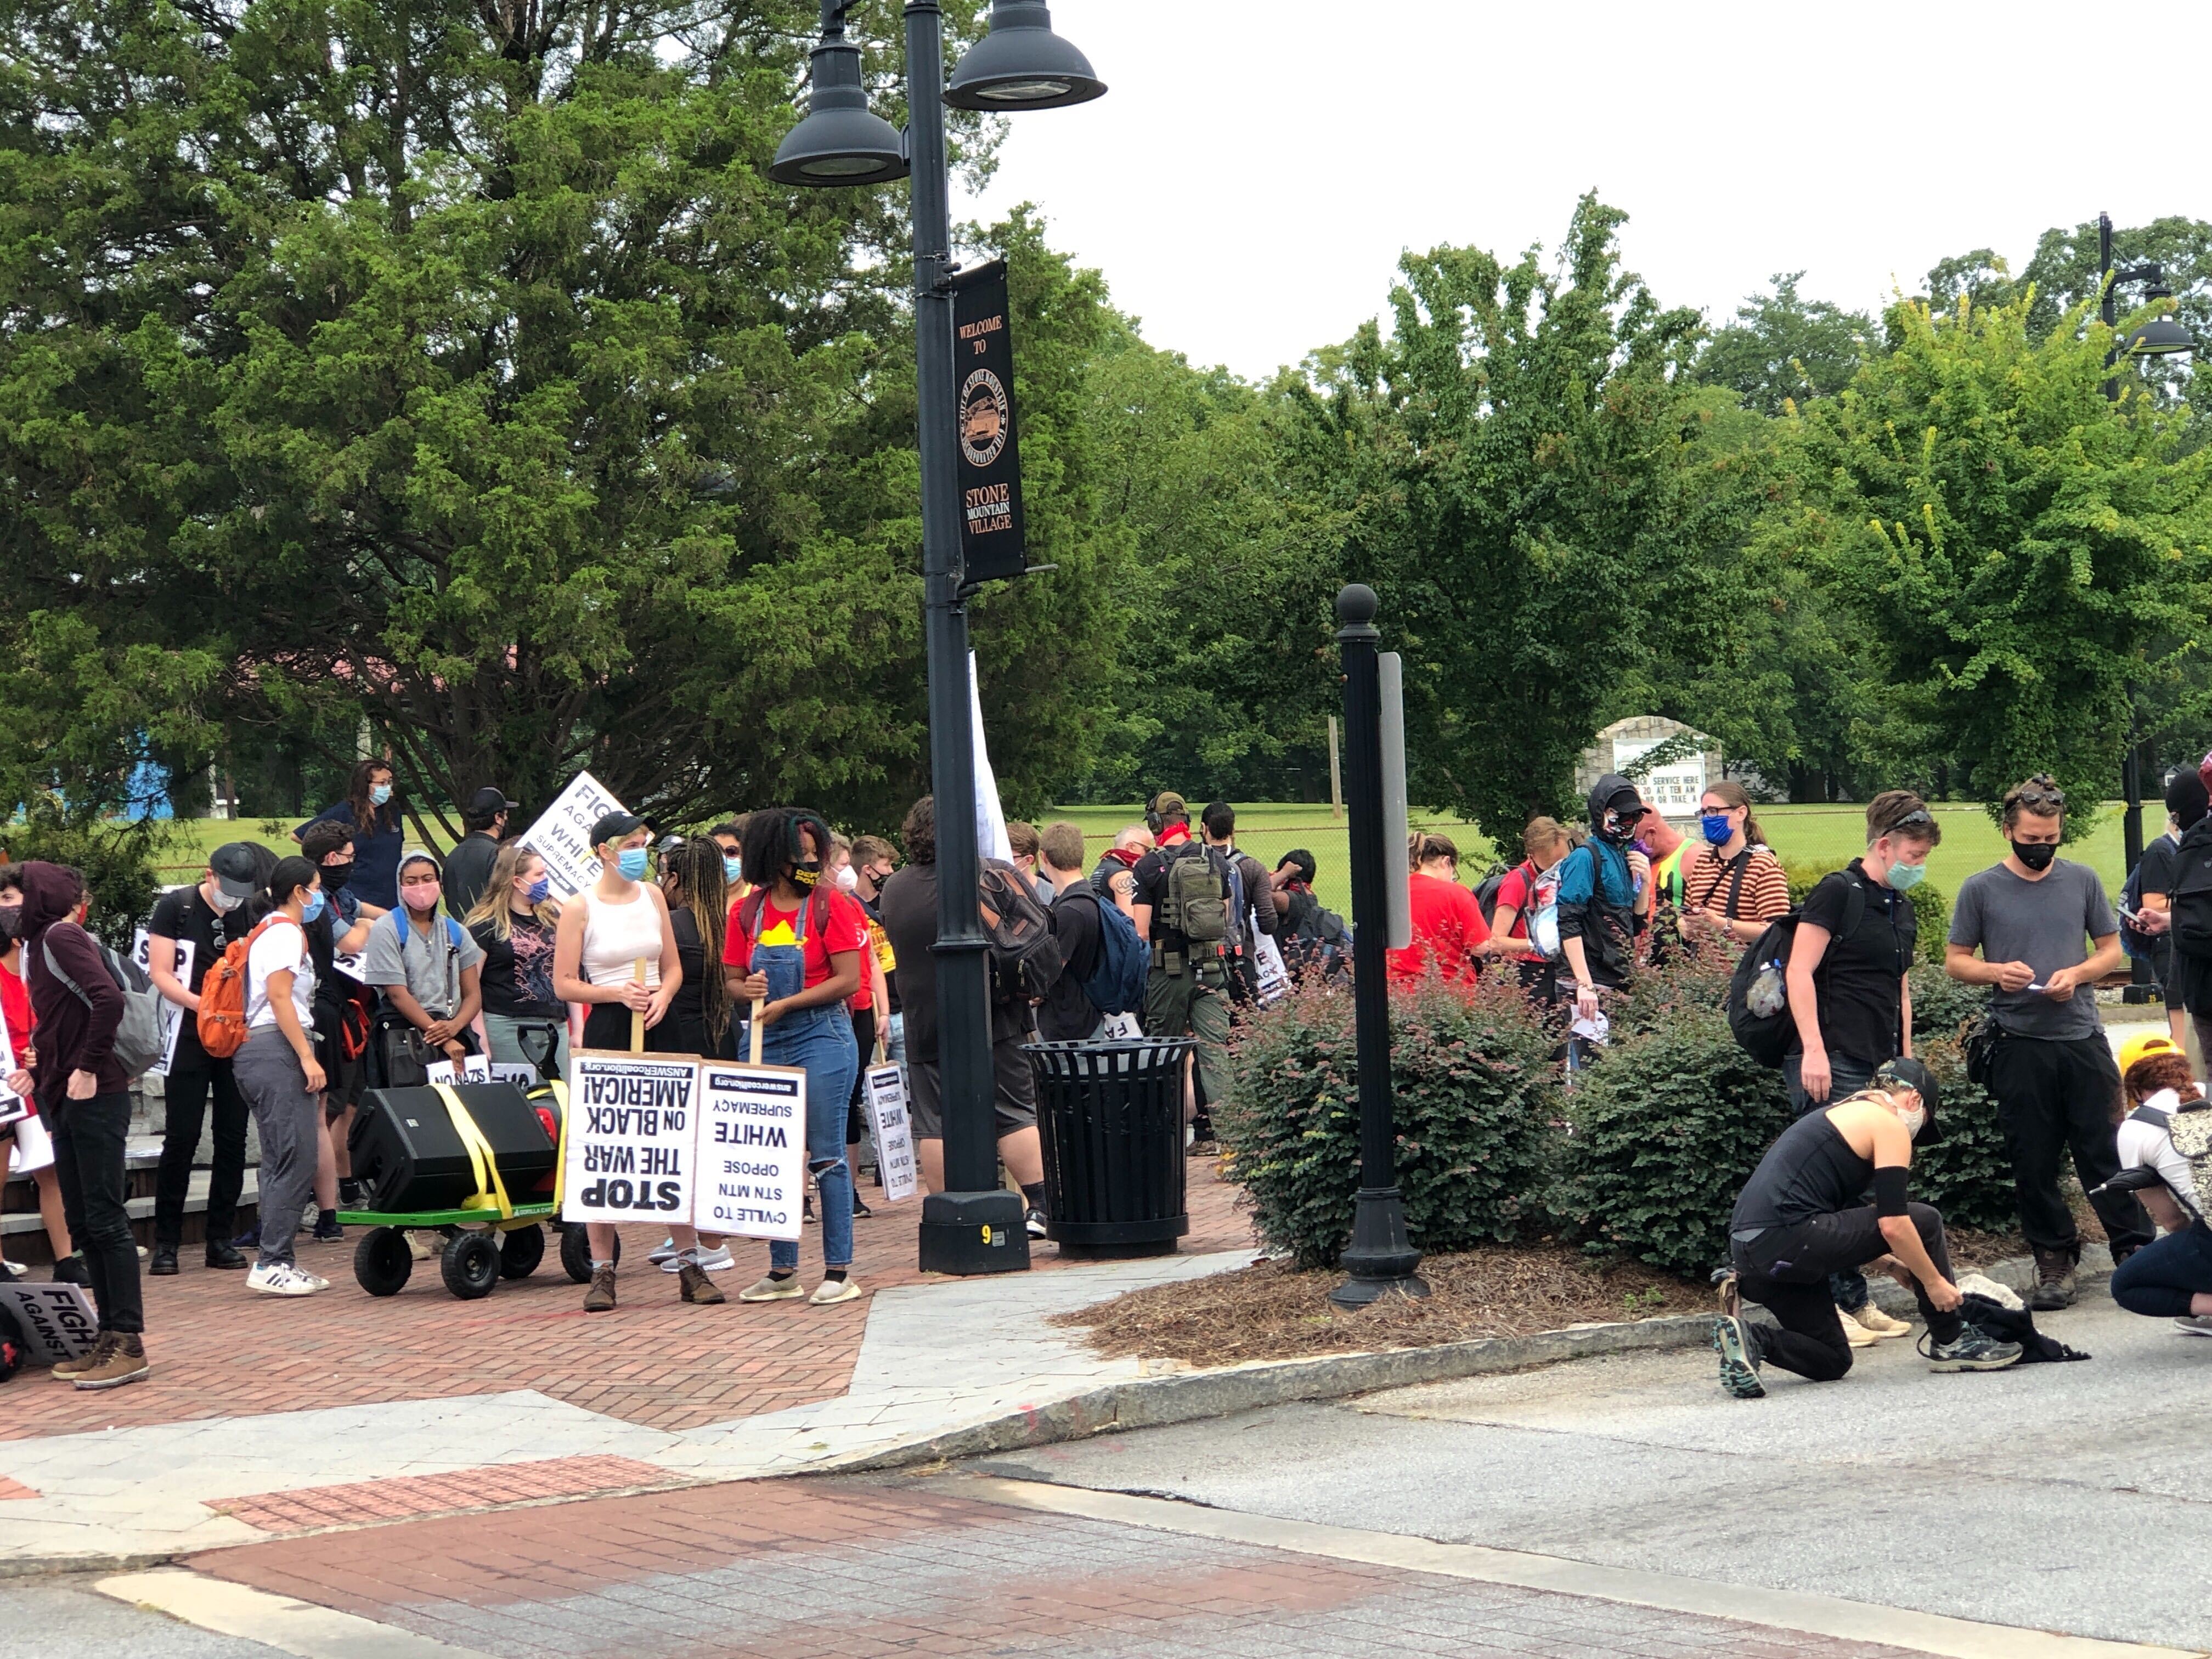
x: 457, y: 369
x: 1530, y: 500
x: 2012, y: 548
x: 1783, y: 348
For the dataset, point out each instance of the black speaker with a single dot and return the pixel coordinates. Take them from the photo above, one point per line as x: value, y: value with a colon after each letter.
x: 410, y: 1158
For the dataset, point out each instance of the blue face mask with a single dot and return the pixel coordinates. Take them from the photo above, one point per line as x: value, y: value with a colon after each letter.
x: 379, y: 794
x: 734, y: 870
x: 1904, y: 878
x: 538, y: 889
x: 313, y: 906
x: 1716, y: 826
x: 632, y: 863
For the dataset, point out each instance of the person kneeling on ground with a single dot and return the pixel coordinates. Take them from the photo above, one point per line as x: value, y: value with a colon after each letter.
x: 1800, y: 1218
x: 2172, y: 1277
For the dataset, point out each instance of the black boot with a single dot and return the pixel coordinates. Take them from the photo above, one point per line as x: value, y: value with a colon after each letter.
x: 220, y: 1255
x: 164, y: 1264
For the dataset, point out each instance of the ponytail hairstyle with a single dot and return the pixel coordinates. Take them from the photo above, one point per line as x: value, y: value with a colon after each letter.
x: 290, y: 875
x: 1732, y: 793
x: 1426, y: 844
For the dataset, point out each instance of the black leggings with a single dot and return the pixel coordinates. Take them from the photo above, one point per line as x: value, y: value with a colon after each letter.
x: 864, y: 1037
x: 1785, y: 1270
x: 2160, y: 1278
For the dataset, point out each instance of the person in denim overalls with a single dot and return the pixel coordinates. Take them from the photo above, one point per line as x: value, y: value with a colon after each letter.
x: 804, y: 1025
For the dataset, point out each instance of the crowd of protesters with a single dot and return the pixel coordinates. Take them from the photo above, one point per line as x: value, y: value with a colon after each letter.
x: 369, y: 960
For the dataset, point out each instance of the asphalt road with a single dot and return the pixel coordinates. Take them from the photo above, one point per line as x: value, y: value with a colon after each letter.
x: 66, y: 1619
x: 2071, y: 1497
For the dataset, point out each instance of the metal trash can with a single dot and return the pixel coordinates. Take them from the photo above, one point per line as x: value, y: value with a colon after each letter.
x: 1110, y: 1117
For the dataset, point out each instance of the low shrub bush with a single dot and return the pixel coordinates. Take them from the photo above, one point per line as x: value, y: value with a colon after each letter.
x: 1940, y: 1005
x: 1931, y: 909
x: 116, y: 859
x: 1967, y: 1175
x: 1666, y: 1126
x: 1476, y: 1093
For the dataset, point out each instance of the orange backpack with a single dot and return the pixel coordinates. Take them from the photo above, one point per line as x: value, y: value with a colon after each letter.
x: 223, y: 996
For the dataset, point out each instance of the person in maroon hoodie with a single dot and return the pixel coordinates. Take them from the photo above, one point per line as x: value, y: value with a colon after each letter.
x: 83, y: 1097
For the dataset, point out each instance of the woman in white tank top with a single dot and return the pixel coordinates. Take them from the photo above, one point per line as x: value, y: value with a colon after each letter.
x: 604, y: 934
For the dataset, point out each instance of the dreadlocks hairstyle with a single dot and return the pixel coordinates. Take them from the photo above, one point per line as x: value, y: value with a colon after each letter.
x: 694, y: 872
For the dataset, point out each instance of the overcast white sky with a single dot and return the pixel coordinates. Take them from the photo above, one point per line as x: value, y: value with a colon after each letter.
x: 1250, y: 178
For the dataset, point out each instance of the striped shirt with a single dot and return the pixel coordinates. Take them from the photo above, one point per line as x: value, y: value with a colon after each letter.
x: 1707, y: 879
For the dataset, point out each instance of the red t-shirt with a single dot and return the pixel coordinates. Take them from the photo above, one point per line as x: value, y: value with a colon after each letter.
x: 847, y: 930
x: 1447, y: 924
x: 15, y: 1009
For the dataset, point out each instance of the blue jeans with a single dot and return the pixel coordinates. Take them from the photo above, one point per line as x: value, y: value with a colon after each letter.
x: 1846, y: 1077
x: 2160, y: 1278
x: 819, y: 1042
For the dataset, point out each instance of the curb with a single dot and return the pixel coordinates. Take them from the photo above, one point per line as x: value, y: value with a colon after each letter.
x: 1156, y: 1402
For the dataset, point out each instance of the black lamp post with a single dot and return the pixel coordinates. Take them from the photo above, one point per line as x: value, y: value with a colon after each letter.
x: 2162, y: 336
x: 1380, y: 1258
x: 976, y: 1225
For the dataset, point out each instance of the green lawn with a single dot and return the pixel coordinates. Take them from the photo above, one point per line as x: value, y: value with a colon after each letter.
x: 1268, y: 830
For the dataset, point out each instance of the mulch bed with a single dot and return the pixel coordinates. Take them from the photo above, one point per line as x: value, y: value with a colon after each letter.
x: 1273, y: 1311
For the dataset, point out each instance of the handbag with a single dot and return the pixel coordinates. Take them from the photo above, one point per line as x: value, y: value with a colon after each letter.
x: 400, y: 1057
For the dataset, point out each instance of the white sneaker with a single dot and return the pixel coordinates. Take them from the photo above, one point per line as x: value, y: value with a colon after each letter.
x: 280, y: 1278
x: 14, y: 1270
x: 713, y: 1261
x: 1854, y: 1333
x: 2195, y: 1325
x: 663, y: 1254
x: 830, y: 1291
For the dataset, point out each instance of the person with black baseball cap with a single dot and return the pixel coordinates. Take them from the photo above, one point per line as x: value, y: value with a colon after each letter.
x: 468, y: 866
x: 1804, y: 1215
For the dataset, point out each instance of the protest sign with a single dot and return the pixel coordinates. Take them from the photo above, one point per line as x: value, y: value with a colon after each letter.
x: 520, y: 1073
x: 473, y: 1068
x: 628, y: 1136
x: 348, y: 963
x: 13, y: 1108
x: 173, y: 1017
x: 562, y: 835
x: 885, y: 1091
x: 58, y: 1321
x: 1274, y: 979
x: 751, y: 1156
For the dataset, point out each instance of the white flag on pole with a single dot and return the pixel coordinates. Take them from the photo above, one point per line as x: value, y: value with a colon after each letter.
x: 990, y: 820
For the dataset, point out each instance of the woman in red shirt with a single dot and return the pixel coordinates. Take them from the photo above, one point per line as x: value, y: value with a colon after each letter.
x: 25, y: 1147
x: 1447, y: 924
x: 793, y: 946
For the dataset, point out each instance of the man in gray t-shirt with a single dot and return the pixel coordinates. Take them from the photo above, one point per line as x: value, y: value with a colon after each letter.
x: 2046, y: 935
x: 426, y: 964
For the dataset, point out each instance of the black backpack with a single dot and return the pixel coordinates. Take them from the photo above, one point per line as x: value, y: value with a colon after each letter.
x: 1485, y: 890
x: 2191, y: 897
x: 1025, y: 957
x: 1759, y: 991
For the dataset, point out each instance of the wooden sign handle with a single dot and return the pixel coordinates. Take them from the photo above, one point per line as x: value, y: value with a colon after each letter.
x: 759, y: 1003
x: 637, y: 1015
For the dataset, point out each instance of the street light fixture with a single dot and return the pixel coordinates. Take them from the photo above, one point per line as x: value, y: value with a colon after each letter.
x: 976, y: 1226
x: 1022, y: 64
x: 840, y: 141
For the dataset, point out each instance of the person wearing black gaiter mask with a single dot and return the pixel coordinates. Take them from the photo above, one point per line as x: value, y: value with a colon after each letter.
x: 2051, y: 1071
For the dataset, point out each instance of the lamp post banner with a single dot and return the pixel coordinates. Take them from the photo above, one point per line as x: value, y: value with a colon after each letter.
x: 993, y: 536
x: 562, y: 835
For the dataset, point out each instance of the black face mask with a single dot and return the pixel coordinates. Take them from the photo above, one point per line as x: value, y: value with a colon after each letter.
x: 2036, y: 855
x: 11, y: 924
x: 806, y: 873
x: 336, y: 876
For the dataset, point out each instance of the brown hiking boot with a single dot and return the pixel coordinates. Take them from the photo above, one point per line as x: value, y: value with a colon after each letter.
x: 600, y: 1299
x: 695, y: 1287
x: 67, y: 1370
x: 126, y: 1362
x: 2054, y: 1281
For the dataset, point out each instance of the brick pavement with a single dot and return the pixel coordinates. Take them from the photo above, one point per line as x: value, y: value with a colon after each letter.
x: 219, y: 1349
x: 364, y: 1503
x: 854, y: 1569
